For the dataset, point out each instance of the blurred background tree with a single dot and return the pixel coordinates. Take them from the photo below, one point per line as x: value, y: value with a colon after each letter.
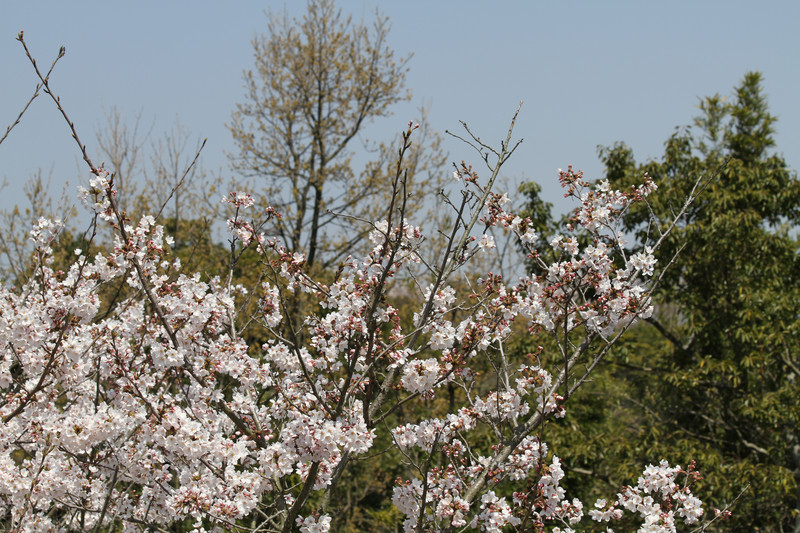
x: 317, y: 83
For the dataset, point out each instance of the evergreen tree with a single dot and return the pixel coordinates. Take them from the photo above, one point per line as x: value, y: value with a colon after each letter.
x: 713, y: 375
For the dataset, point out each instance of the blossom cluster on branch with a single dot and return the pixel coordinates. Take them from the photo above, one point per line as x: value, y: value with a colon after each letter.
x: 151, y: 409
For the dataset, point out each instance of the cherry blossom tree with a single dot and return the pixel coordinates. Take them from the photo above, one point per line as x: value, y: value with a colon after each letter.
x: 156, y: 413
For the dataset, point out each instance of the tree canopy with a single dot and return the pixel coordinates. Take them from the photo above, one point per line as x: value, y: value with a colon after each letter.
x: 316, y: 84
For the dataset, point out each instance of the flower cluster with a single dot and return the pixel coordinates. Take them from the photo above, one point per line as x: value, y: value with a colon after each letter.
x: 657, y: 498
x: 145, y: 409
x: 97, y: 198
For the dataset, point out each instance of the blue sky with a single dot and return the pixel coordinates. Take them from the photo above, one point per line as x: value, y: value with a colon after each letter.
x: 589, y: 73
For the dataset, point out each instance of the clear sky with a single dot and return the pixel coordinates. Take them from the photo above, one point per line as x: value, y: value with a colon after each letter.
x: 589, y: 72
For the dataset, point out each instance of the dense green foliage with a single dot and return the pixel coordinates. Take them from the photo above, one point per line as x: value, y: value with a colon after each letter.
x: 713, y: 376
